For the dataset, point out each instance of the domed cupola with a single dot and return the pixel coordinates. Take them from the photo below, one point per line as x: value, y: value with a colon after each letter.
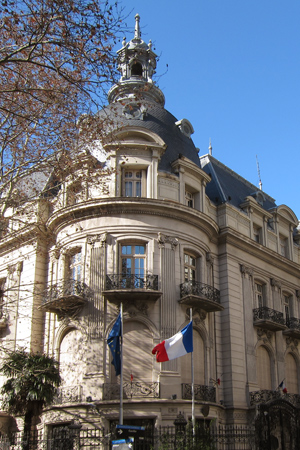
x: 137, y: 64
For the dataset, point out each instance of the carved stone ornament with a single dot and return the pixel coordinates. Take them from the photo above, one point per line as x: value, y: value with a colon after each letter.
x: 264, y: 335
x: 275, y: 283
x: 209, y: 258
x: 164, y: 239
x: 246, y: 270
x: 92, y: 239
x: 291, y: 343
x: 134, y: 308
x: 199, y: 315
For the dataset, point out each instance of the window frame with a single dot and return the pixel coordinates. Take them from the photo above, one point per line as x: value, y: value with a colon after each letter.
x: 142, y: 179
x: 260, y: 294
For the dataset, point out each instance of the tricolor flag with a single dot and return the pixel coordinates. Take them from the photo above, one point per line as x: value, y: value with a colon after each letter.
x: 113, y: 342
x: 282, y: 386
x: 178, y: 345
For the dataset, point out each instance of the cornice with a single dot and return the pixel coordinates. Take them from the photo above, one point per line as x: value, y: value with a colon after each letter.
x: 132, y: 206
x: 250, y: 247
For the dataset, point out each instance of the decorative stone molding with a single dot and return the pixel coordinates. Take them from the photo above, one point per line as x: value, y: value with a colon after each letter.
x: 56, y: 252
x: 246, y: 270
x: 18, y: 267
x: 135, y: 308
x: 199, y: 315
x: 264, y: 335
x: 210, y: 258
x: 92, y: 239
x: 291, y: 343
x: 275, y: 283
x: 164, y: 239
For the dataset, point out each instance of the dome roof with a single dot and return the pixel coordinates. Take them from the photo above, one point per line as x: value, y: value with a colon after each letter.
x: 153, y: 117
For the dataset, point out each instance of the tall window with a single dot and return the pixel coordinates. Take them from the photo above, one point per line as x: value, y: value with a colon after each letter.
x: 189, y: 267
x: 287, y: 306
x: 259, y: 295
x: 291, y: 374
x: 283, y: 246
x: 2, y: 290
x: 257, y: 234
x: 133, y: 263
x: 263, y: 369
x: 134, y: 183
x: 75, y: 270
x: 189, y: 199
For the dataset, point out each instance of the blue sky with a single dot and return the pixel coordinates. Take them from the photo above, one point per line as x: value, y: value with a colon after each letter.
x: 234, y: 73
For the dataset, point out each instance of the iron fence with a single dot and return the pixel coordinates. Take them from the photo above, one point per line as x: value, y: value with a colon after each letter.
x: 74, y: 437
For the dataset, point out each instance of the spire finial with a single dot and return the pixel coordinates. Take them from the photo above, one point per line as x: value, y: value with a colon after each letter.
x: 210, y: 147
x: 137, y: 31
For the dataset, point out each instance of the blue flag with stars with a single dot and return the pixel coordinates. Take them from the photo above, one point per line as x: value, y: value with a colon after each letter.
x: 113, y: 342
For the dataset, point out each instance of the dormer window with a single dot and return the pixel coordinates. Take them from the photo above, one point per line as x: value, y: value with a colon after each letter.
x: 136, y: 69
x: 134, y: 183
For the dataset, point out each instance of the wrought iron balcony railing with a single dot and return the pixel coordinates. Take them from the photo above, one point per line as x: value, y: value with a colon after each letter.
x: 136, y: 389
x: 199, y: 294
x: 68, y: 394
x: 265, y: 396
x: 268, y: 318
x: 128, y: 288
x: 66, y: 296
x: 119, y: 281
x: 201, y: 392
x: 293, y: 327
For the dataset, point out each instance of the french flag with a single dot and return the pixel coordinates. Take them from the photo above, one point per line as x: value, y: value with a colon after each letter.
x: 178, y: 345
x: 282, y: 386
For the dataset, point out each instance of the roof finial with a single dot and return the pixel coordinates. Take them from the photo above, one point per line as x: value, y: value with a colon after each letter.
x: 137, y: 31
x: 210, y: 147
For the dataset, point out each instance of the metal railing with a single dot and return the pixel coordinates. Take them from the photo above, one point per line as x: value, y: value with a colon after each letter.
x: 264, y: 396
x: 202, y: 392
x: 66, y: 288
x: 119, y: 281
x: 68, y: 394
x: 293, y: 323
x: 200, y: 289
x: 135, y: 389
x: 265, y: 313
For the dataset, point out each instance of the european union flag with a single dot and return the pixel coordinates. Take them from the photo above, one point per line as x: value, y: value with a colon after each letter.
x: 114, y: 344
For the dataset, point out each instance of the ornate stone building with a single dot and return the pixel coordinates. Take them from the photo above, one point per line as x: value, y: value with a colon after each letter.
x: 164, y: 231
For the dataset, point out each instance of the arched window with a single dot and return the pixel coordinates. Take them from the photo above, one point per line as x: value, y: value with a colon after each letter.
x: 199, y: 362
x: 136, y: 69
x: 137, y: 347
x: 71, y: 358
x: 263, y: 369
x: 291, y: 374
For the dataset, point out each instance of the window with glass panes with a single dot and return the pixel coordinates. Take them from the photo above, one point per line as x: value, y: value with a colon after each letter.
x: 259, y: 295
x: 75, y: 266
x: 133, y: 263
x: 132, y: 183
x: 287, y: 306
x: 189, y: 267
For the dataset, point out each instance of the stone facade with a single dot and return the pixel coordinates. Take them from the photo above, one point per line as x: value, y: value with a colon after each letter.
x: 164, y: 231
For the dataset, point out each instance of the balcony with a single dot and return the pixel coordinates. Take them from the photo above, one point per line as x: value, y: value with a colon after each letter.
x: 264, y: 396
x: 121, y: 288
x: 268, y: 318
x: 195, y: 294
x: 66, y: 298
x: 68, y: 394
x: 131, y: 390
x: 201, y: 392
x: 293, y: 328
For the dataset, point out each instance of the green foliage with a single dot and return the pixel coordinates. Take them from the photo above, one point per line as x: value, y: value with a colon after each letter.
x: 31, y: 382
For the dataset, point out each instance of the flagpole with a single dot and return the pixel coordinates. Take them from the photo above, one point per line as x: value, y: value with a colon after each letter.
x: 193, y: 390
x: 121, y: 374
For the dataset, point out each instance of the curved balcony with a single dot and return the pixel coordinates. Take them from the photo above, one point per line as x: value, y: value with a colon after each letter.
x: 268, y: 318
x: 201, y: 392
x: 121, y: 288
x: 195, y: 294
x: 66, y: 298
x: 135, y: 389
x: 293, y: 328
